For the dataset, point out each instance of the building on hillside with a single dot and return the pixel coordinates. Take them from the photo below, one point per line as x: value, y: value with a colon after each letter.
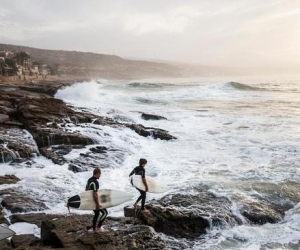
x: 7, y: 71
x: 34, y: 70
x: 19, y: 70
x: 45, y: 70
x: 27, y: 63
x: 7, y: 54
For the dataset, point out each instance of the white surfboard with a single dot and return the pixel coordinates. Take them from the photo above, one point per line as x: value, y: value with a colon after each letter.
x: 153, y: 185
x: 5, y: 232
x: 107, y: 198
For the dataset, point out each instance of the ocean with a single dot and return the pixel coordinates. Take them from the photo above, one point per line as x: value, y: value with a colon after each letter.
x: 236, y: 135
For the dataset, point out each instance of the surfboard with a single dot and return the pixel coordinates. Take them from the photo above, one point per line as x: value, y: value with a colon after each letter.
x: 5, y: 232
x: 107, y: 198
x: 153, y: 185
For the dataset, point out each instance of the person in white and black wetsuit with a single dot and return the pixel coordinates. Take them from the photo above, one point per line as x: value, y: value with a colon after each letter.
x: 140, y: 170
x: 93, y: 184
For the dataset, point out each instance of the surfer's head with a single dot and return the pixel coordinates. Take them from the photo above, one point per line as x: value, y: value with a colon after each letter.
x: 143, y: 162
x: 97, y: 172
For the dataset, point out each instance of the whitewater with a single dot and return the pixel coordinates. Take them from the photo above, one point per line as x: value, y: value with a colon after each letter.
x: 237, y: 136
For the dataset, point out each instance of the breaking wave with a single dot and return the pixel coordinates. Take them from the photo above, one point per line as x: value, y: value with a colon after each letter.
x: 241, y: 86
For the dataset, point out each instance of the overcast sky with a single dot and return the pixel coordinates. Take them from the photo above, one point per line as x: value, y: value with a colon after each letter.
x: 212, y: 32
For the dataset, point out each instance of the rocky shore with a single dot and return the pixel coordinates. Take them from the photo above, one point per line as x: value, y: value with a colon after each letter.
x: 33, y: 122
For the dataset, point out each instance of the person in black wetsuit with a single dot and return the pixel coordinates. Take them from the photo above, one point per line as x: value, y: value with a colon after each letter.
x: 93, y: 184
x: 140, y: 170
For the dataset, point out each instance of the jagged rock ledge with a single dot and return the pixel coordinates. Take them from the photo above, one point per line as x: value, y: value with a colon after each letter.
x: 185, y: 216
x: 31, y: 107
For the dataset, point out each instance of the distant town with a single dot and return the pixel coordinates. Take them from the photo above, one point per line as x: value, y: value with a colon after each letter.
x: 20, y: 64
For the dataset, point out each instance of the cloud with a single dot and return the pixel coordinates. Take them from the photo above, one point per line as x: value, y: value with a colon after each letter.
x: 214, y: 32
x: 175, y: 21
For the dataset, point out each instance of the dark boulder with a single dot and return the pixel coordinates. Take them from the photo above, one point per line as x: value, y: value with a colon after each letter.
x: 34, y: 218
x: 2, y: 218
x: 8, y: 179
x: 187, y: 215
x: 18, y: 203
x: 24, y: 240
x: 154, y: 132
x: 152, y: 117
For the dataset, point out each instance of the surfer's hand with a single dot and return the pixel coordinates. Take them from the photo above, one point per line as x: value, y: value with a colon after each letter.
x: 147, y: 189
x: 98, y: 206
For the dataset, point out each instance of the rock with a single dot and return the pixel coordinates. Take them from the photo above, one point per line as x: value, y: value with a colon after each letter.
x: 18, y: 203
x: 34, y: 218
x: 127, y: 234
x: 3, y: 118
x: 48, y: 153
x: 49, y: 137
x: 152, y: 117
x: 78, y: 168
x: 5, y: 245
x: 24, y: 240
x: 13, y: 123
x: 280, y: 197
x: 16, y: 143
x: 99, y: 149
x: 31, y: 106
x: 8, y: 179
x: 3, y: 219
x: 258, y: 212
x: 187, y: 215
x: 147, y: 131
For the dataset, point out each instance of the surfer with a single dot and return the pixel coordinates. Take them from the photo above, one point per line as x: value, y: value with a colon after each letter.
x: 140, y: 170
x: 93, y: 184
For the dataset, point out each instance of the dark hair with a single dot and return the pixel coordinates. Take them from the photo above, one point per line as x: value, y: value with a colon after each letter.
x: 96, y: 171
x: 143, y: 161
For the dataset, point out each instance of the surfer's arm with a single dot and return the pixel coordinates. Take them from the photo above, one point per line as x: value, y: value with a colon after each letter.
x: 96, y: 199
x: 145, y: 183
x: 132, y: 172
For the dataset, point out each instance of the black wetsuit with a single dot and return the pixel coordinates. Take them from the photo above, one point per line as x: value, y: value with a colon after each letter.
x: 93, y: 184
x: 139, y: 170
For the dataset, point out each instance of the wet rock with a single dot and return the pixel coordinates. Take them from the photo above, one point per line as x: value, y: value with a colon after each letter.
x: 187, y: 215
x: 18, y: 203
x: 3, y: 219
x: 99, y: 149
x: 5, y: 245
x: 76, y: 168
x: 50, y: 122
x: 49, y: 137
x: 8, y: 179
x: 17, y: 161
x: 123, y: 233
x: 276, y: 245
x: 34, y: 218
x: 16, y: 143
x: 280, y: 197
x: 14, y: 124
x: 24, y: 240
x: 152, y: 117
x: 3, y: 118
x: 154, y: 132
x: 112, y: 158
x: 258, y: 212
x: 48, y: 153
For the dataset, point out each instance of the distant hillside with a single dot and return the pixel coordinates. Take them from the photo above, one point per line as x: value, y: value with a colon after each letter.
x: 87, y: 64
x: 97, y: 65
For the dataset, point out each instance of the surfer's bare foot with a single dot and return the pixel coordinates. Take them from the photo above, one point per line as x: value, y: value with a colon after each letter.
x: 145, y: 211
x: 100, y: 230
x: 135, y: 205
